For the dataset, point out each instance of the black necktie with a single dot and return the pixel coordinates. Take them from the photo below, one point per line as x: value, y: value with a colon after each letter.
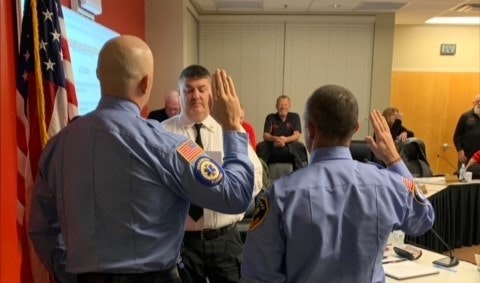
x: 195, y: 211
x: 198, y: 138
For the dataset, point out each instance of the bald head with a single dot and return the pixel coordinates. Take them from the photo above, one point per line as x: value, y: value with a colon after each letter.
x: 125, y: 69
x: 172, y: 103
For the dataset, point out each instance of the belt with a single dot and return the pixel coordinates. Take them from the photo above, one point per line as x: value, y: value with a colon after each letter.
x: 165, y: 276
x: 209, y: 234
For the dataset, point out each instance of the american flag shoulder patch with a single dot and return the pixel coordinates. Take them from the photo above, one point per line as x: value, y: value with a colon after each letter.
x: 190, y: 151
x: 409, y: 184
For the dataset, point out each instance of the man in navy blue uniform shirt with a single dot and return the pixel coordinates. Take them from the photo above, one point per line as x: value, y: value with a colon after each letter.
x: 113, y: 190
x: 330, y: 221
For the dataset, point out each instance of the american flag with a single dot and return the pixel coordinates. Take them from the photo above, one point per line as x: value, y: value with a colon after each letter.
x: 46, y: 102
x: 190, y: 151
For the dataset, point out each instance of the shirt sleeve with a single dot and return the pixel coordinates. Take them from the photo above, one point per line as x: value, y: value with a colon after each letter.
x: 200, y: 179
x: 267, y: 126
x: 44, y: 228
x: 458, y: 134
x: 264, y: 249
x: 419, y: 214
x: 476, y: 156
x: 297, y: 125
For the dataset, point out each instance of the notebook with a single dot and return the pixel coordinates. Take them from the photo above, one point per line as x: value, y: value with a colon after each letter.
x: 407, y: 269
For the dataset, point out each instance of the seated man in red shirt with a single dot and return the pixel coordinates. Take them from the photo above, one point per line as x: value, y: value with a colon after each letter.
x: 473, y: 165
x: 281, y: 134
x: 248, y: 128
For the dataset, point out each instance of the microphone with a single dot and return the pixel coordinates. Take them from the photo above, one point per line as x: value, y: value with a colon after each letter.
x: 449, y: 163
x: 446, y: 261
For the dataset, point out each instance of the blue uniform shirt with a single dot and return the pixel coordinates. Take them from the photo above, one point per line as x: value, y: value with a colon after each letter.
x: 116, y: 188
x: 330, y: 221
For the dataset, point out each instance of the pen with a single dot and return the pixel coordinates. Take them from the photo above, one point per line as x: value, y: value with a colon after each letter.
x: 393, y: 261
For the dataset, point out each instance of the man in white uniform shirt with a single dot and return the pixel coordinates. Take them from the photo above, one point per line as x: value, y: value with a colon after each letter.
x: 212, y: 246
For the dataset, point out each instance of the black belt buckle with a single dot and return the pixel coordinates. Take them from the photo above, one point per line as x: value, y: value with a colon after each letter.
x: 208, y: 234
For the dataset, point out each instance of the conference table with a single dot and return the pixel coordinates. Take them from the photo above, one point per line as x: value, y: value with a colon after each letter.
x: 464, y: 272
x: 457, y: 214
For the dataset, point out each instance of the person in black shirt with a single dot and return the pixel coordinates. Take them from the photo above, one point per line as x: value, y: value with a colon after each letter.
x: 281, y: 134
x: 172, y: 107
x: 394, y: 121
x: 467, y: 133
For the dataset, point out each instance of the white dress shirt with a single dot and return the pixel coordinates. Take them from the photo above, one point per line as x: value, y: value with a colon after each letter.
x: 212, y: 139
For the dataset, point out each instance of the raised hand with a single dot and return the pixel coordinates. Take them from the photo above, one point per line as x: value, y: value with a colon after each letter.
x: 384, y: 146
x: 225, y: 107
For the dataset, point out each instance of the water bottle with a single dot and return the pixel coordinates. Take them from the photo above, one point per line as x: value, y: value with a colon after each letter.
x: 461, y: 173
x: 398, y: 238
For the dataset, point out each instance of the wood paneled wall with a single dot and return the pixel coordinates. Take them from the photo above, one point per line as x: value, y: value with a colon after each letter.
x: 431, y: 103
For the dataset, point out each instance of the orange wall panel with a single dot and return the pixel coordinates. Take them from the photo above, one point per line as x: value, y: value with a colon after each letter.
x: 432, y: 103
x: 9, y: 248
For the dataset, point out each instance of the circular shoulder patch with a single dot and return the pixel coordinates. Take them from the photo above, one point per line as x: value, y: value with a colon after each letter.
x: 419, y: 196
x: 208, y: 172
x: 261, y: 211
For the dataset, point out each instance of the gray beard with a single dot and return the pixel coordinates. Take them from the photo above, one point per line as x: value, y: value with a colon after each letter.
x: 476, y: 110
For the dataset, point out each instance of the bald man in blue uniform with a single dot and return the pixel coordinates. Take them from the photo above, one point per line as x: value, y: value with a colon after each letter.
x: 113, y: 190
x: 330, y: 221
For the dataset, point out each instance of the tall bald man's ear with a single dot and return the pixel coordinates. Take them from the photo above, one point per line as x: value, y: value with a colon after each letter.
x: 144, y: 84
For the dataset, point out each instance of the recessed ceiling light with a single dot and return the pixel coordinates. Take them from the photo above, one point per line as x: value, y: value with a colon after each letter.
x: 335, y: 5
x: 454, y: 20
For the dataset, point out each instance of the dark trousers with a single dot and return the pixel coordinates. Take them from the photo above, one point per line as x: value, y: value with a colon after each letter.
x: 167, y: 276
x: 294, y: 153
x: 217, y: 258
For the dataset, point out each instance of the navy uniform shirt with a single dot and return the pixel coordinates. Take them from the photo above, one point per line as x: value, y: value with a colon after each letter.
x: 330, y: 221
x: 276, y: 127
x: 116, y: 188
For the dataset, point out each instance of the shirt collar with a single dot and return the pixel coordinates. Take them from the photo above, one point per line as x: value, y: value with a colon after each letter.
x: 208, y: 123
x: 112, y: 102
x: 329, y: 153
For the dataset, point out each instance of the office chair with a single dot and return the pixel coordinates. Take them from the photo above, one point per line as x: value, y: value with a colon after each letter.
x: 413, y: 153
x: 361, y: 151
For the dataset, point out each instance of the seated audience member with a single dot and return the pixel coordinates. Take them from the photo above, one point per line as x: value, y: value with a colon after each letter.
x: 281, y: 134
x: 330, y: 221
x: 249, y: 129
x: 394, y: 120
x: 172, y: 107
x: 473, y: 165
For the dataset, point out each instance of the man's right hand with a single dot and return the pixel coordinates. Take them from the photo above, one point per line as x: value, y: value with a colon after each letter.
x: 461, y: 156
x: 383, y: 146
x: 225, y: 107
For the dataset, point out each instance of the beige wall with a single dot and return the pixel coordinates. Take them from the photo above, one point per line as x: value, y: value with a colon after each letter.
x: 171, y: 32
x: 417, y: 48
x: 432, y: 90
x: 382, y: 61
